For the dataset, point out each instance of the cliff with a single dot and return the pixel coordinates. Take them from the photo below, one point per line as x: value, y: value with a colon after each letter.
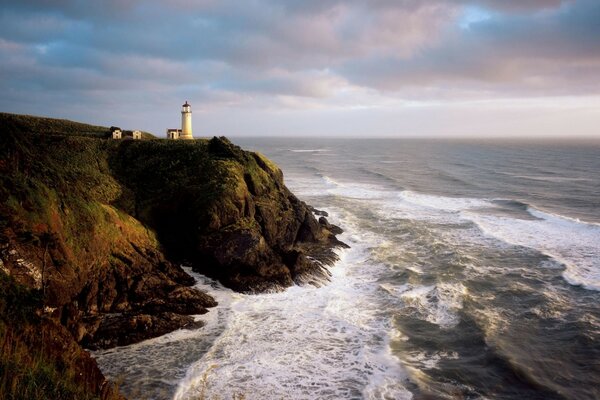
x: 93, y: 231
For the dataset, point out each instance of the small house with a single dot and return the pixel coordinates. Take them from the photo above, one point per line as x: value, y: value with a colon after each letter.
x: 173, y: 134
x: 116, y: 132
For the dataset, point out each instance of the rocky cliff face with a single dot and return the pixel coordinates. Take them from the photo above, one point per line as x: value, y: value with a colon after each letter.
x: 237, y: 223
x: 98, y: 229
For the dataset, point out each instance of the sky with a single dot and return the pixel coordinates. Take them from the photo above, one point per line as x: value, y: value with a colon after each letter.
x: 348, y: 68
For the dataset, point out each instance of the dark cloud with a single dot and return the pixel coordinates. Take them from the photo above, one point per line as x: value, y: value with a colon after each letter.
x: 545, y: 53
x: 268, y: 51
x: 518, y: 5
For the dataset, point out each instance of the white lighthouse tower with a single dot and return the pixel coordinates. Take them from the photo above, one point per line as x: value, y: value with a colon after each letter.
x: 186, y: 122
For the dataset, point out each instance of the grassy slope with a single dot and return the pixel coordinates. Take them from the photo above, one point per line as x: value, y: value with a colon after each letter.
x: 58, y: 190
x: 55, y: 193
x: 71, y: 203
x: 28, y: 371
x: 88, y: 198
x: 32, y: 124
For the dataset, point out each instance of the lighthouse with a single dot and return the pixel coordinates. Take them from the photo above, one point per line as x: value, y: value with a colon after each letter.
x: 186, y: 122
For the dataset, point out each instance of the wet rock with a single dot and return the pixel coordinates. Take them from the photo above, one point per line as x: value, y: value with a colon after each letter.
x: 123, y: 329
x: 318, y: 212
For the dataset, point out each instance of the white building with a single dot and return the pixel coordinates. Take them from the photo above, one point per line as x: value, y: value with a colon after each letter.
x: 173, y: 134
x: 186, y: 121
x: 137, y: 135
x: 186, y: 125
x: 116, y: 133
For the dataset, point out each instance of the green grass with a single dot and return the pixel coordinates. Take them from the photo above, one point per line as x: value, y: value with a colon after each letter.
x: 67, y: 189
x: 28, y: 369
x: 27, y: 374
x: 178, y: 189
x: 54, y: 126
x: 50, y: 126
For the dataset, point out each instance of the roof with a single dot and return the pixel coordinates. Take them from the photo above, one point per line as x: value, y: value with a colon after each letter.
x: 186, y: 104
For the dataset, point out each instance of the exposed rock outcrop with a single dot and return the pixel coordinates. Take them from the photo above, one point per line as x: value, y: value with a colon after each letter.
x: 100, y: 228
x: 254, y: 236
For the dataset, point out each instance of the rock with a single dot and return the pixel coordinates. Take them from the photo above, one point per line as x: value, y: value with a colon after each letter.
x: 243, y: 236
x: 103, y: 239
x: 318, y: 212
x: 123, y: 329
x: 335, y: 230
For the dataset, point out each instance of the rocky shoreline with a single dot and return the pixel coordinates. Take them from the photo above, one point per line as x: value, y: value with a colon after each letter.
x: 96, y: 231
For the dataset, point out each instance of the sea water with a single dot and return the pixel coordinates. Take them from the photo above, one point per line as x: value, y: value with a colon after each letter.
x: 473, y: 272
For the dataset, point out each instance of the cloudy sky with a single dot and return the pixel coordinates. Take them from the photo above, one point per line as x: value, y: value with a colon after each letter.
x: 308, y: 67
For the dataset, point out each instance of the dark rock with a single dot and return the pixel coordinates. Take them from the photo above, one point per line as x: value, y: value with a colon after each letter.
x: 110, y: 236
x: 123, y: 329
x: 335, y: 230
x: 244, y: 236
x: 318, y: 212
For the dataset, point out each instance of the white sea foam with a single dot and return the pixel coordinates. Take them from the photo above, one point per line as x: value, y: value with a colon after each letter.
x: 437, y: 304
x: 574, y: 244
x: 358, y: 191
x: 305, y: 343
x: 571, y: 242
x: 444, y: 203
x: 304, y: 186
x: 426, y: 360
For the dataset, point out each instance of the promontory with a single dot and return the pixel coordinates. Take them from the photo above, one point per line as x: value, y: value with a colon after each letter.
x: 94, y: 233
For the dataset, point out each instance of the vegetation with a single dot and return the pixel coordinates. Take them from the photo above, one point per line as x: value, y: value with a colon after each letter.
x: 56, y: 190
x: 75, y: 204
x: 71, y: 202
x: 28, y: 370
x: 86, y: 223
x: 54, y: 126
x: 184, y: 190
x: 49, y: 126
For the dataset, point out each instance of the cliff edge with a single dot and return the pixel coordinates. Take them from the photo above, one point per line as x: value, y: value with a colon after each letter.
x: 93, y: 233
x: 224, y: 211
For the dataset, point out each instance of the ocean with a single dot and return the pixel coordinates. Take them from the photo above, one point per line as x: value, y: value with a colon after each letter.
x: 473, y: 272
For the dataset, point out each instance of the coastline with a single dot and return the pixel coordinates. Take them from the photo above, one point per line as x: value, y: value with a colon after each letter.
x: 88, y: 229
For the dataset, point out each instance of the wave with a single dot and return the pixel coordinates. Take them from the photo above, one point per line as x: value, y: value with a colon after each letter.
x: 329, y: 342
x: 438, y: 304
x: 380, y: 176
x: 572, y: 243
x: 569, y: 241
x: 309, y: 150
x: 545, y: 178
x: 444, y: 203
x: 356, y: 191
x: 557, y: 218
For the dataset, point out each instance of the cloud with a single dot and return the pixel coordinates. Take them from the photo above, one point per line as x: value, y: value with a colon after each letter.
x: 545, y: 53
x: 293, y: 54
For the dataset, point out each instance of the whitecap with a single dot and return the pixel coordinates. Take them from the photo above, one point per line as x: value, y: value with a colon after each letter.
x: 304, y: 343
x: 574, y: 244
x: 444, y: 203
x: 438, y: 304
